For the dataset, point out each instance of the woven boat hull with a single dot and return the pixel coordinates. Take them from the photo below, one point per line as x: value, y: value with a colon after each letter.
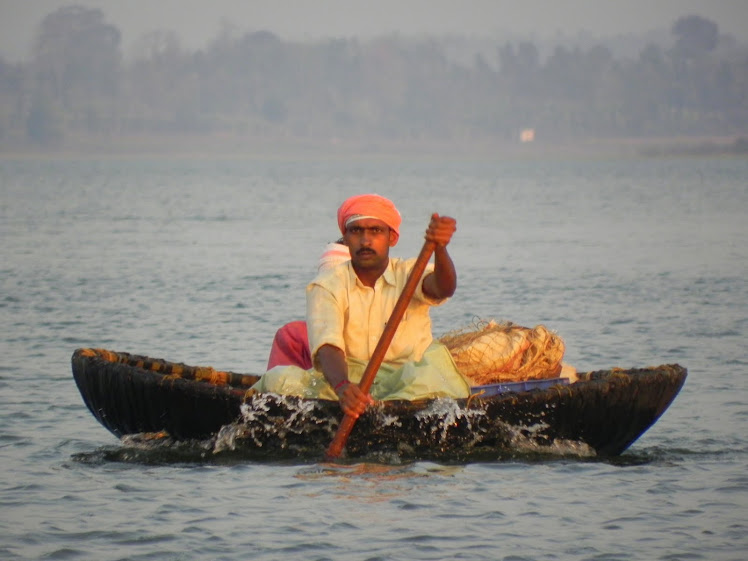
x: 606, y: 411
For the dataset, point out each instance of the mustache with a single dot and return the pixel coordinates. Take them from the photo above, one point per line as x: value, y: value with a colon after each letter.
x: 365, y: 250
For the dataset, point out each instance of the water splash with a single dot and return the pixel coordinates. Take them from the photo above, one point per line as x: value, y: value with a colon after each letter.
x: 530, y: 440
x: 150, y: 449
x: 442, y: 414
x: 272, y: 418
x: 226, y: 438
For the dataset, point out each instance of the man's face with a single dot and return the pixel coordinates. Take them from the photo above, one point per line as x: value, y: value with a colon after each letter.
x: 369, y: 241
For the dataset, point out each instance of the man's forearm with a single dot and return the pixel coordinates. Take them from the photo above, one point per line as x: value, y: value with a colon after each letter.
x: 331, y: 361
x: 442, y: 283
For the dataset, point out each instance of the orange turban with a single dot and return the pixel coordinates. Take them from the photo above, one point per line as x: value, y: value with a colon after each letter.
x: 370, y: 206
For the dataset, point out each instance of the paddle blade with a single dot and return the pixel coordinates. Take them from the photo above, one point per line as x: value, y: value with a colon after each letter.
x: 341, y: 437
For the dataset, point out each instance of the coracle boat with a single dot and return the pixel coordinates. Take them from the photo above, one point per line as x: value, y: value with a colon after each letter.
x: 604, y: 412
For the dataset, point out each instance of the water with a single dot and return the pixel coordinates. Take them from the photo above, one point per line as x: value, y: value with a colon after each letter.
x: 633, y: 262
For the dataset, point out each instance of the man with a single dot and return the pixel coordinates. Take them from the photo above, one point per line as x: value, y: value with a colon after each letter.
x: 348, y: 307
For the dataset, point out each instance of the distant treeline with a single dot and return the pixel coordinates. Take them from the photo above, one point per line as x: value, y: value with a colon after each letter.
x: 255, y: 86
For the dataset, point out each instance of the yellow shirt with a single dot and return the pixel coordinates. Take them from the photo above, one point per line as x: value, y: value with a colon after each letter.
x: 342, y: 312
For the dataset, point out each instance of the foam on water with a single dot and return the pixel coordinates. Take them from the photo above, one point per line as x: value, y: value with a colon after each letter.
x: 447, y: 412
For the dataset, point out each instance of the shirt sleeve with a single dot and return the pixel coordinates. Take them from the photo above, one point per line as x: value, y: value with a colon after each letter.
x: 419, y: 294
x: 324, y: 316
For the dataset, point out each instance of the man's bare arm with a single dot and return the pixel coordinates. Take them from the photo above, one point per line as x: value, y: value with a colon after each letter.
x: 442, y: 283
x: 331, y: 361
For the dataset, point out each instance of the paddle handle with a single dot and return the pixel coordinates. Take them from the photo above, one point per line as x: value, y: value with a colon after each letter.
x: 346, y: 425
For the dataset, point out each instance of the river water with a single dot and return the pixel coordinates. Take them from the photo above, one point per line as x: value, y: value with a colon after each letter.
x: 634, y: 262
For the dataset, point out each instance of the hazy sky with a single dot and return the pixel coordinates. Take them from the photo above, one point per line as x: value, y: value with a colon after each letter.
x: 197, y: 21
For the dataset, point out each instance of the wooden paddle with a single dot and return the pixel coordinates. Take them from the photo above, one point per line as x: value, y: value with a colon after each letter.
x: 346, y: 425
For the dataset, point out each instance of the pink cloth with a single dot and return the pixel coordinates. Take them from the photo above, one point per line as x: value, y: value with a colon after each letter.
x: 374, y: 206
x: 291, y: 343
x: 291, y: 347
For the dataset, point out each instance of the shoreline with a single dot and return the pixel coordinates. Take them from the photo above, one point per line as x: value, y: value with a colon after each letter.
x: 221, y: 147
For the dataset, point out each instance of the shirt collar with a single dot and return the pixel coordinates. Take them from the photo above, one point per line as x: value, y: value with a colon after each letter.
x: 389, y: 273
x: 388, y: 276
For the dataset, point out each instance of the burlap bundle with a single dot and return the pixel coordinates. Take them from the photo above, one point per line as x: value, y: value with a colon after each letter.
x: 489, y: 352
